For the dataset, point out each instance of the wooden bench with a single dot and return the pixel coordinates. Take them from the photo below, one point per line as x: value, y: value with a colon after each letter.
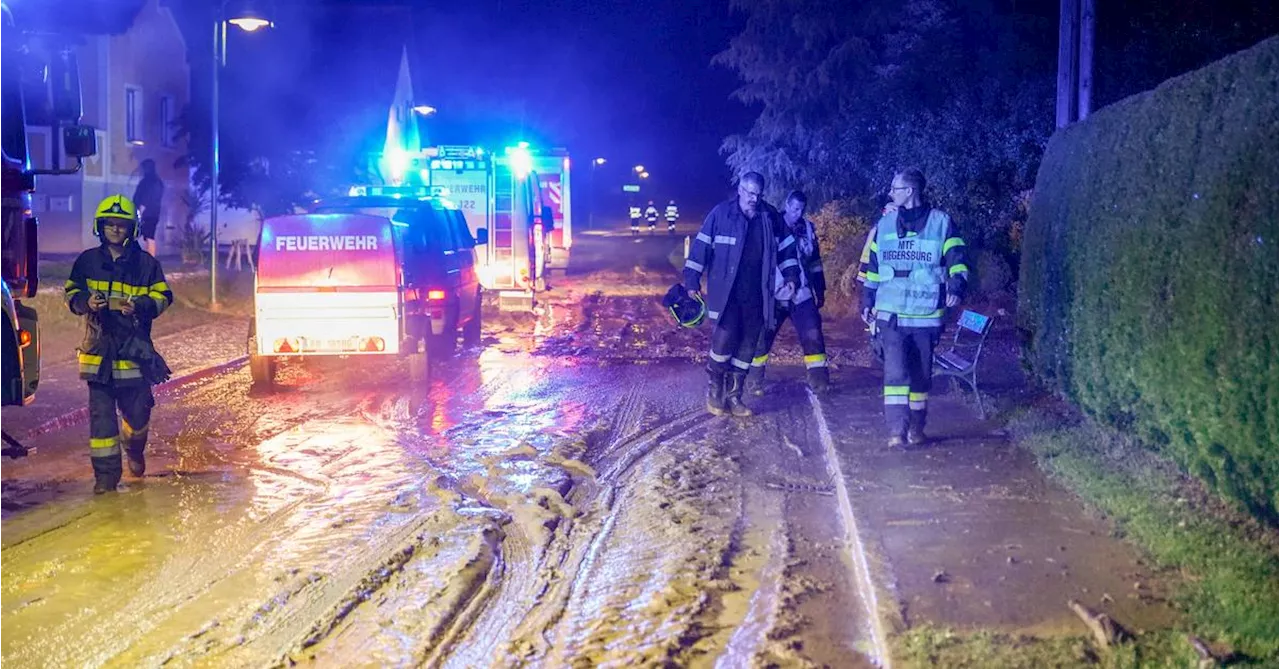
x: 961, y: 359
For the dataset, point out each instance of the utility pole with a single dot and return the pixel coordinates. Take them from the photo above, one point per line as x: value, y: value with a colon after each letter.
x: 1075, y: 61
x: 1068, y: 17
x: 1085, y: 91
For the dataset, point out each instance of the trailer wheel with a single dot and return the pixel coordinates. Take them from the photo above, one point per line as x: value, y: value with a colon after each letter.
x: 262, y: 369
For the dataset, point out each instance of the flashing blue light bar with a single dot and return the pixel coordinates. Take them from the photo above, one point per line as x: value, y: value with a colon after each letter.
x: 458, y: 152
x: 389, y: 191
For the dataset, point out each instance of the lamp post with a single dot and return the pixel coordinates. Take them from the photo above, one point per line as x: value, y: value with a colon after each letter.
x: 591, y: 192
x: 249, y: 20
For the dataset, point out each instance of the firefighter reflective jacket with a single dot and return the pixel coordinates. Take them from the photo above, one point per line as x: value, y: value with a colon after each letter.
x: 672, y: 212
x: 716, y: 252
x: 812, y: 279
x: 115, y: 345
x: 634, y: 212
x: 651, y: 213
x: 909, y: 265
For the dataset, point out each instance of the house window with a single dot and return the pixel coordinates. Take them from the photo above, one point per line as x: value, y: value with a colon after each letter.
x: 133, y: 114
x: 167, y: 120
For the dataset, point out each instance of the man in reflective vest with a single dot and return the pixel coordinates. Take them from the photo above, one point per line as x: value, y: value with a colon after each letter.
x: 651, y: 216
x: 741, y: 245
x: 802, y: 308
x: 916, y: 268
x: 634, y: 212
x: 673, y: 214
x: 119, y: 289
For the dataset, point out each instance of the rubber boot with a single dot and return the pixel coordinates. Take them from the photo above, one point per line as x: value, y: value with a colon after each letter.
x: 137, y: 458
x: 106, y: 473
x: 715, y: 392
x: 819, y: 380
x: 755, y: 381
x: 915, y: 428
x: 733, y: 395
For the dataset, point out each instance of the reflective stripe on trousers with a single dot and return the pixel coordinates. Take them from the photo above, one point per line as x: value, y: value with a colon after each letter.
x: 908, y: 376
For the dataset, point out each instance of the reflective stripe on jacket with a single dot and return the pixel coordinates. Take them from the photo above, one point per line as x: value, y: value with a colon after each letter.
x: 908, y: 270
x: 134, y: 275
x: 812, y: 279
x: 715, y: 252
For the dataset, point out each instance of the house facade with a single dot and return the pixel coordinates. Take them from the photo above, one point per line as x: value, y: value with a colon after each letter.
x: 134, y: 84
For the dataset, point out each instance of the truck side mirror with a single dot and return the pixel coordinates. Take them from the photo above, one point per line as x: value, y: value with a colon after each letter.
x: 482, y: 236
x: 548, y: 219
x: 64, y: 84
x: 80, y: 141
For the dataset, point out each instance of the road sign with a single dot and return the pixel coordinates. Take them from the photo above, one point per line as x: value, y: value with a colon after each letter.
x: 631, y: 188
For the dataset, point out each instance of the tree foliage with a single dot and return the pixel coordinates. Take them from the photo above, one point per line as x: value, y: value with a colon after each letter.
x: 851, y: 92
x: 267, y: 166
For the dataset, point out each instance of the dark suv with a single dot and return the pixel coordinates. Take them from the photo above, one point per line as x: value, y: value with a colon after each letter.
x: 437, y: 256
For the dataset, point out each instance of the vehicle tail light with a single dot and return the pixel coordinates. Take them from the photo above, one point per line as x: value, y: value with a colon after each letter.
x: 435, y: 294
x: 24, y: 338
x: 374, y: 344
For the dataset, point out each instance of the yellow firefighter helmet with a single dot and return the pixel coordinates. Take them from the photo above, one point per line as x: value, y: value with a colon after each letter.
x: 116, y: 207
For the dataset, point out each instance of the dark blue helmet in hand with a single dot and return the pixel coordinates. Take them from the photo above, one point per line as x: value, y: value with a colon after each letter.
x: 688, y: 310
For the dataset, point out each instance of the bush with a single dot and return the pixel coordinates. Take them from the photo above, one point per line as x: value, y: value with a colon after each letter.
x: 1148, y: 275
x: 991, y: 273
x: 841, y: 233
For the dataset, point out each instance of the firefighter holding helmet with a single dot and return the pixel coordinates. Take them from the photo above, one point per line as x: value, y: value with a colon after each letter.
x: 119, y: 289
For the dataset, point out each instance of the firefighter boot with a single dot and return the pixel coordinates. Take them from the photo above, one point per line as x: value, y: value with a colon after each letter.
x: 715, y: 391
x: 733, y: 395
x: 137, y: 457
x: 106, y: 473
x: 755, y: 381
x: 915, y: 428
x: 819, y: 380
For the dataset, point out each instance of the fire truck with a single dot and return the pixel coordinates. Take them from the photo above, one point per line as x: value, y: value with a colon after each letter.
x: 552, y: 168
x: 40, y: 85
x: 521, y: 196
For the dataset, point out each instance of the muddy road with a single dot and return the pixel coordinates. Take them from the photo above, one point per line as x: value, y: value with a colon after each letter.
x: 553, y: 497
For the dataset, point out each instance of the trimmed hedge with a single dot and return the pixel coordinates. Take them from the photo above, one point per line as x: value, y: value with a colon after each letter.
x: 1148, y: 287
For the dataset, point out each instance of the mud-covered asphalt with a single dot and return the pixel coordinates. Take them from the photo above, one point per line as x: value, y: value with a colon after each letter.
x: 553, y: 497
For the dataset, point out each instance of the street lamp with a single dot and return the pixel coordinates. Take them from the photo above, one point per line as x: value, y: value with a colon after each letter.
x: 248, y: 19
x: 644, y: 175
x: 591, y: 191
x: 638, y: 168
x: 425, y: 110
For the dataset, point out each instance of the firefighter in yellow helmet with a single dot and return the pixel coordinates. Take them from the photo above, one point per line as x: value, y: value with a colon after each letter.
x: 119, y: 289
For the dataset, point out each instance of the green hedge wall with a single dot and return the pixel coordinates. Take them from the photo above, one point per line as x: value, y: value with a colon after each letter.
x: 1148, y: 283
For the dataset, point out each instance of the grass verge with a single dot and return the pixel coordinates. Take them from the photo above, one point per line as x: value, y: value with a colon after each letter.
x: 1228, y: 560
x: 928, y: 646
x: 1229, y: 557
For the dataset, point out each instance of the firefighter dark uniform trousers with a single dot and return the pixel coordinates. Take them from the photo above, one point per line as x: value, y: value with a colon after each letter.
x: 803, y: 310
x: 739, y: 256
x: 113, y: 355
x: 915, y: 260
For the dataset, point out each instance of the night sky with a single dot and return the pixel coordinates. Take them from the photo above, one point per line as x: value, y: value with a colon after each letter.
x: 628, y: 81
x: 632, y: 83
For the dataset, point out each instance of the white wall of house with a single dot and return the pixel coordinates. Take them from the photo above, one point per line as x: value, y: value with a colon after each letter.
x: 134, y: 85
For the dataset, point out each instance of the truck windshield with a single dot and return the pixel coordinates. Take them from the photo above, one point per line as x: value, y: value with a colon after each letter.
x: 12, y: 125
